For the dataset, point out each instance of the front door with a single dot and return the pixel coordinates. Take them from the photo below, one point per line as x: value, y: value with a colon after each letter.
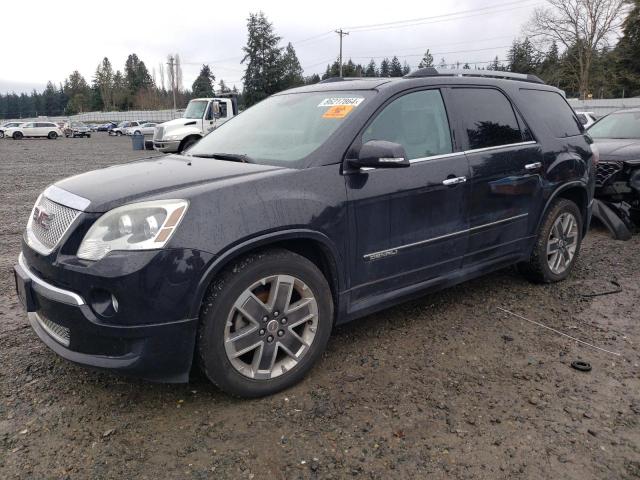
x: 505, y: 163
x: 409, y: 226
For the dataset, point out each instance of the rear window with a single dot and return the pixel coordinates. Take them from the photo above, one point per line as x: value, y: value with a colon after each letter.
x: 554, y: 111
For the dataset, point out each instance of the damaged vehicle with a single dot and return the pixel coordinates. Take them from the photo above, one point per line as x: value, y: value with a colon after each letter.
x: 315, y: 207
x: 617, y: 205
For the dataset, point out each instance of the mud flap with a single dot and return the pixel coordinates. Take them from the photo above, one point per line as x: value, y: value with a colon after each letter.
x: 611, y: 220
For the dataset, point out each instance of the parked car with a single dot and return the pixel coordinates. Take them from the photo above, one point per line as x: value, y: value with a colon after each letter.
x: 105, y: 127
x: 77, y: 129
x: 316, y: 206
x: 34, y: 129
x: 8, y: 125
x: 142, y: 129
x: 202, y: 116
x: 587, y: 118
x: 122, y: 127
x: 617, y: 137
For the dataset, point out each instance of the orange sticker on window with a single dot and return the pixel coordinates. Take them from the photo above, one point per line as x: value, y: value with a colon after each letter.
x: 338, y: 111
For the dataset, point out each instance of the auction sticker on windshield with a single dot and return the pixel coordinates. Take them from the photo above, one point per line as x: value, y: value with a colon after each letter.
x: 330, y: 102
x: 338, y: 111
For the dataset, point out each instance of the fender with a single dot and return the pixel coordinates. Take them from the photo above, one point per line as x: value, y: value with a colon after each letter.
x: 554, y: 195
x: 223, y: 259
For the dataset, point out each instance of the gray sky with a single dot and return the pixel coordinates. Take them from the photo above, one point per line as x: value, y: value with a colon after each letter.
x: 54, y: 42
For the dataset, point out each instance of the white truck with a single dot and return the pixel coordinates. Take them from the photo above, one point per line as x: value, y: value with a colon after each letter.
x: 202, y: 116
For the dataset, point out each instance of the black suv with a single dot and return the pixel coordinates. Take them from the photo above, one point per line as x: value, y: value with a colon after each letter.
x: 315, y: 207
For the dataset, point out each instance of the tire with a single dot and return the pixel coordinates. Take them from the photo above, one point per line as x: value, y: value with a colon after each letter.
x: 188, y: 144
x: 118, y: 134
x: 557, y: 245
x: 52, y: 135
x: 1, y: 134
x: 235, y: 365
x: 88, y: 135
x: 17, y: 135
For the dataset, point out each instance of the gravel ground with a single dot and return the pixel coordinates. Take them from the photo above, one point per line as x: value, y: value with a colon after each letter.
x: 447, y: 386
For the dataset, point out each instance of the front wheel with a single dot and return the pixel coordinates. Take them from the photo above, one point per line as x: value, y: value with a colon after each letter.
x: 557, y: 245
x: 17, y: 135
x: 264, y: 323
x: 1, y: 134
x: 52, y: 135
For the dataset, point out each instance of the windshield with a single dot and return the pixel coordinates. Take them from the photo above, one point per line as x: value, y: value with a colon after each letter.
x: 196, y: 109
x: 282, y: 128
x: 617, y: 125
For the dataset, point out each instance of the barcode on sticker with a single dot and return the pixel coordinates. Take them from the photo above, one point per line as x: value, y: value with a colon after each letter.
x: 332, y: 102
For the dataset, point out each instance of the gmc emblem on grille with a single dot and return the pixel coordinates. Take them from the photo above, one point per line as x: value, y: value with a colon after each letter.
x: 42, y: 218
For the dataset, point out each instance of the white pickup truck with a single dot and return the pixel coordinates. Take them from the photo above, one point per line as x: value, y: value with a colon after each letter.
x: 201, y: 117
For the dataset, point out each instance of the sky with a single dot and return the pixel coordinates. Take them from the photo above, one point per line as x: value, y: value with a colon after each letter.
x: 48, y: 44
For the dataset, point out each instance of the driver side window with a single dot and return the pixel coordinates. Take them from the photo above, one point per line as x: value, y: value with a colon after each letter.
x: 417, y: 121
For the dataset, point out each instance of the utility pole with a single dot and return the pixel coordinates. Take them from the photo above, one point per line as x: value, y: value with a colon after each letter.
x: 341, y: 33
x: 172, y: 77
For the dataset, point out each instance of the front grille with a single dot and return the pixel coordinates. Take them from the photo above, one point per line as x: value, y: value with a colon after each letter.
x: 49, y: 222
x: 58, y: 332
x: 606, y: 171
x: 158, y: 133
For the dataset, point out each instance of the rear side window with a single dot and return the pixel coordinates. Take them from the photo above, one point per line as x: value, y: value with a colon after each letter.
x: 417, y: 121
x: 487, y: 118
x: 554, y: 111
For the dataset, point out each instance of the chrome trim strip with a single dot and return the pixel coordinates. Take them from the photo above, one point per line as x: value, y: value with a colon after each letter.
x: 498, y: 147
x: 68, y: 199
x: 392, y: 251
x: 457, y: 154
x: 49, y: 291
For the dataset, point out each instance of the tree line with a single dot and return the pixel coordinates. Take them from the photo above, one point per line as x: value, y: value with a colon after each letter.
x: 566, y: 43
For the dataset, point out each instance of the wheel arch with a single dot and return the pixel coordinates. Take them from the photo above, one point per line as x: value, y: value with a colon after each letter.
x: 187, y: 138
x: 314, y: 246
x: 576, y: 192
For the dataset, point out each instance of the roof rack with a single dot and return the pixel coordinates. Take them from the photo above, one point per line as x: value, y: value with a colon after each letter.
x: 346, y: 79
x: 434, y: 72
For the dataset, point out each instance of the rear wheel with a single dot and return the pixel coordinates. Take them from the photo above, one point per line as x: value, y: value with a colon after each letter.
x: 557, y: 245
x: 17, y: 135
x: 264, y: 323
x: 52, y: 135
x: 1, y: 134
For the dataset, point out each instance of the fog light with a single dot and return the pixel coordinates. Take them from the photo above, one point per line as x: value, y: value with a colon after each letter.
x: 104, y: 303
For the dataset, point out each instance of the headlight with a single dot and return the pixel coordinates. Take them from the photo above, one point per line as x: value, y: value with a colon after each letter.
x: 138, y: 226
x: 172, y: 137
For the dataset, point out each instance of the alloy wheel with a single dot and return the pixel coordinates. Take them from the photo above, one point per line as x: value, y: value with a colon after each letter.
x: 271, y: 326
x: 562, y: 243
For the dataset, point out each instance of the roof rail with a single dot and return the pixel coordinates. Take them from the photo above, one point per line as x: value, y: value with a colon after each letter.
x: 434, y: 72
x: 346, y: 79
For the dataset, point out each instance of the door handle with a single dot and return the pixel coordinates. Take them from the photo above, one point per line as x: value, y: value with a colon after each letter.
x: 454, y: 181
x: 533, y: 166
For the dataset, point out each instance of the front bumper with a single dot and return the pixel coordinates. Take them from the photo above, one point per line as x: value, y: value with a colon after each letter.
x: 166, y: 146
x: 68, y: 324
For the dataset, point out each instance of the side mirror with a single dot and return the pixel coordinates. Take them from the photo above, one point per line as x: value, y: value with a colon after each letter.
x: 381, y: 154
x: 215, y: 106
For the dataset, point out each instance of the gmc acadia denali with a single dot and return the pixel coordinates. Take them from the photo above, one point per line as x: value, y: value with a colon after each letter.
x: 315, y: 207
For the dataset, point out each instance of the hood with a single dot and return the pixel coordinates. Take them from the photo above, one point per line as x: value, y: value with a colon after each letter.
x: 114, y: 186
x: 180, y: 122
x: 618, y: 148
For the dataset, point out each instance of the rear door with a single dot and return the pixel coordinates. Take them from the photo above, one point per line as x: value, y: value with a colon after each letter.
x: 409, y: 226
x: 505, y: 164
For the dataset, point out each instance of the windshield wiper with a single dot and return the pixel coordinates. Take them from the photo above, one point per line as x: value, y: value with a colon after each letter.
x: 234, y: 157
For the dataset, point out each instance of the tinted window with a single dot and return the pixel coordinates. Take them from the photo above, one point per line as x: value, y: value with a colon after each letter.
x: 583, y: 118
x: 617, y: 125
x: 554, y: 111
x: 417, y: 121
x: 223, y: 110
x: 487, y: 118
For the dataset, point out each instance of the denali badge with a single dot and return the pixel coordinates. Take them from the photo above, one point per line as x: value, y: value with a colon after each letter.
x: 42, y: 218
x: 378, y: 255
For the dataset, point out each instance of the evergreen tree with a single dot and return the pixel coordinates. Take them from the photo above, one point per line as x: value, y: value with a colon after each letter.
x: 443, y: 63
x: 385, y: 68
x: 371, y: 70
x: 78, y: 92
x: 396, y: 67
x: 203, y: 84
x: 315, y: 78
x: 626, y: 55
x: 262, y: 59
x: 406, y: 69
x: 522, y: 57
x: 292, y: 74
x: 466, y: 66
x: 103, y: 80
x: 222, y: 87
x: 427, y: 60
